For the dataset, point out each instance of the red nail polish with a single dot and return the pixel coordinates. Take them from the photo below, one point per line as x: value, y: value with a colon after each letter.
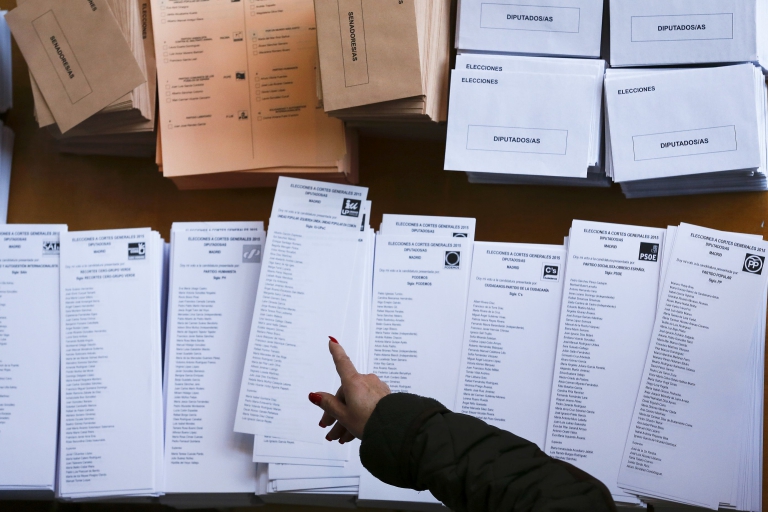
x: 333, y: 340
x: 328, y: 437
x: 315, y: 398
x: 322, y: 425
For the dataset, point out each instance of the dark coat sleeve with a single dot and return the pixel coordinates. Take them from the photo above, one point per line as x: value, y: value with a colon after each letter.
x: 417, y: 443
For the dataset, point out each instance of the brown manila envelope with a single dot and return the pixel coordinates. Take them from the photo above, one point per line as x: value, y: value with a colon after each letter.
x: 369, y: 51
x: 77, y: 55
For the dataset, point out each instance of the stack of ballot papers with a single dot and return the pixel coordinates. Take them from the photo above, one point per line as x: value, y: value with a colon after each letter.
x: 686, y: 131
x: 238, y: 96
x: 214, y: 274
x: 662, y: 33
x: 7, y: 138
x: 94, y: 98
x: 29, y: 359
x: 315, y: 283
x: 393, y: 60
x: 526, y: 120
x: 569, y: 28
x: 111, y: 434
x: 6, y: 68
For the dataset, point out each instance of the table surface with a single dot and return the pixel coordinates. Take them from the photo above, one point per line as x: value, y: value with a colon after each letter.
x: 404, y: 176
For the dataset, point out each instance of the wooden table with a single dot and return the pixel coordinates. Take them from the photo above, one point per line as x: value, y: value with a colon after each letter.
x: 404, y: 176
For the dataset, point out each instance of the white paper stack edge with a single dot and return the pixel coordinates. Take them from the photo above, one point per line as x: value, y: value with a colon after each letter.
x: 686, y: 131
x: 127, y: 126
x: 111, y: 436
x: 527, y: 120
x: 567, y: 28
x: 663, y: 33
x: 6, y: 66
x: 320, y: 241
x: 7, y: 138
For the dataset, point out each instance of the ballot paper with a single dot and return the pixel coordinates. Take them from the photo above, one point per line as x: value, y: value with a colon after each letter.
x: 6, y: 67
x: 660, y: 33
x: 237, y: 88
x: 29, y: 356
x: 510, y: 336
x: 310, y: 289
x: 691, y: 414
x: 216, y: 269
x: 570, y: 28
x: 535, y: 118
x: 111, y: 440
x: 457, y: 227
x: 420, y: 289
x: 77, y: 54
x: 607, y: 315
x: 686, y: 131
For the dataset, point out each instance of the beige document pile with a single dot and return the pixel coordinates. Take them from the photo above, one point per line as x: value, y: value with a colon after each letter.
x: 116, y: 51
x: 238, y: 95
x: 384, y: 60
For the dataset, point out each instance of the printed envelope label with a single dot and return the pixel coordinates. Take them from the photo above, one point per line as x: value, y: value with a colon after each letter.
x: 703, y: 141
x: 682, y: 27
x: 353, y: 49
x: 517, y: 140
x: 530, y: 17
x: 62, y: 56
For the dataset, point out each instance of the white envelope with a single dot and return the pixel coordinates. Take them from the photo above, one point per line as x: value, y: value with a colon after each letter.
x: 538, y: 27
x: 660, y: 32
x: 520, y: 123
x: 682, y: 122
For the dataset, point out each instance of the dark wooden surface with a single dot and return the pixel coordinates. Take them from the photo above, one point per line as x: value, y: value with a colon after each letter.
x: 404, y: 176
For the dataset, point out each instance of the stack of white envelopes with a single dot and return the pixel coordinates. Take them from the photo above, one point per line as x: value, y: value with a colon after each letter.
x: 6, y: 68
x: 526, y: 120
x: 111, y: 436
x: 7, y: 138
x: 315, y: 283
x: 214, y: 275
x: 663, y: 33
x: 569, y: 28
x: 686, y: 131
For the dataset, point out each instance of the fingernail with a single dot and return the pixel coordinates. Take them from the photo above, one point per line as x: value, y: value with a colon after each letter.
x: 328, y: 437
x: 315, y: 398
x: 322, y: 425
x: 333, y: 340
x: 341, y: 442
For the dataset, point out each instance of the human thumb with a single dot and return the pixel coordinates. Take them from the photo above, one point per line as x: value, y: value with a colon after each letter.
x: 330, y: 404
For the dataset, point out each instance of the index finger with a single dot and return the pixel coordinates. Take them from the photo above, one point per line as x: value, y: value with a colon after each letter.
x: 344, y: 366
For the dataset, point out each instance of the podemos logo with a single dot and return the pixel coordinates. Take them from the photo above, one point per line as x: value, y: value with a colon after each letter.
x: 351, y: 207
x: 754, y: 264
x: 453, y: 259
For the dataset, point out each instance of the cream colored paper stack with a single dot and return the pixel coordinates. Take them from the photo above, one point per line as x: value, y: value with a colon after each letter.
x: 393, y: 60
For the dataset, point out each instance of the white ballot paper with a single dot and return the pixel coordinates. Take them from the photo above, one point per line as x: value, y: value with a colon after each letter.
x: 660, y: 32
x: 312, y: 271
x: 457, y: 227
x: 691, y: 413
x: 609, y: 305
x: 510, y: 336
x: 111, y: 389
x: 216, y: 269
x: 420, y: 285
x: 29, y: 356
x: 521, y: 123
x: 570, y: 28
x: 705, y: 127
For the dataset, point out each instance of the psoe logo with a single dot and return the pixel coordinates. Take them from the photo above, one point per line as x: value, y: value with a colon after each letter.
x: 649, y: 252
x: 137, y: 250
x: 251, y: 254
x: 51, y: 248
x: 453, y: 259
x: 754, y: 264
x: 351, y: 207
x: 551, y: 273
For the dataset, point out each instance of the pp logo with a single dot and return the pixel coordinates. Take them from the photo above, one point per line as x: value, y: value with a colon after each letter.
x: 649, y: 252
x: 453, y: 259
x: 754, y: 264
x: 351, y: 207
x: 137, y: 250
x: 551, y: 273
x: 460, y: 235
x: 51, y: 248
x: 251, y: 254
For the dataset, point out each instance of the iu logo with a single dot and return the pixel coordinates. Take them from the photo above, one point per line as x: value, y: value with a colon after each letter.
x: 137, y: 250
x: 754, y: 264
x: 351, y: 207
